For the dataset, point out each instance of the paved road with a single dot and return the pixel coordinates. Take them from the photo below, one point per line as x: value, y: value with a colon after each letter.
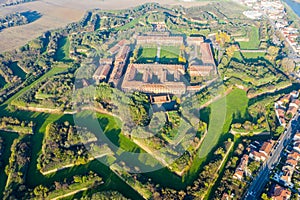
x: 257, y: 185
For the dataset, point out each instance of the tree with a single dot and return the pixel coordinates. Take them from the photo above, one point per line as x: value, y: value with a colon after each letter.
x: 273, y: 53
x: 288, y: 64
x: 264, y: 196
x: 222, y: 38
x: 230, y: 51
x: 40, y: 191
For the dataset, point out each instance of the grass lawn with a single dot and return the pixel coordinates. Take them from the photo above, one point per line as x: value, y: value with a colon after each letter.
x: 147, y: 54
x: 249, y: 55
x: 63, y: 51
x: 219, y: 116
x: 254, y: 40
x: 169, y: 54
x: 238, y: 55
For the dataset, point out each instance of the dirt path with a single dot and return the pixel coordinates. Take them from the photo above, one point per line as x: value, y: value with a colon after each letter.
x: 70, y: 193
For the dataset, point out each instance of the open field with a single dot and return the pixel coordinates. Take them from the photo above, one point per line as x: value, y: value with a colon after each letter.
x: 221, y: 116
x: 253, y: 39
x: 56, y: 14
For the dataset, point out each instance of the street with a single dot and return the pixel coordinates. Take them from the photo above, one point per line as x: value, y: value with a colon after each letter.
x: 257, y: 185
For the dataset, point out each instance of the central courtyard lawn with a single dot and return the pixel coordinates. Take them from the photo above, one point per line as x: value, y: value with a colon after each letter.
x: 169, y: 55
x: 147, y: 54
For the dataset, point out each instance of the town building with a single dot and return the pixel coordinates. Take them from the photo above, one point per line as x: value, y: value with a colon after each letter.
x: 280, y: 193
x: 263, y: 152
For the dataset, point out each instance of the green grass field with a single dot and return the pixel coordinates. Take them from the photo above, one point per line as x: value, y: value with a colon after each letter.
x: 221, y: 116
x: 63, y: 52
x: 253, y: 55
x: 169, y: 54
x: 254, y: 40
x: 147, y: 54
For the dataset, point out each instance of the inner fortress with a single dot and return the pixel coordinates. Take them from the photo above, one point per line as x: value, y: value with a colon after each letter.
x: 160, y: 64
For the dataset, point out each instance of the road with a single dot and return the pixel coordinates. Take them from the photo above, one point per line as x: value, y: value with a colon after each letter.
x: 257, y: 185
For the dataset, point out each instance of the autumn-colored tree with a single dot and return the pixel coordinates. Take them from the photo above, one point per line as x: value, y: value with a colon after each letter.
x: 230, y: 51
x: 222, y: 38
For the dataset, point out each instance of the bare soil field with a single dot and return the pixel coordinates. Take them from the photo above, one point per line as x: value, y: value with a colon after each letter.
x: 58, y: 13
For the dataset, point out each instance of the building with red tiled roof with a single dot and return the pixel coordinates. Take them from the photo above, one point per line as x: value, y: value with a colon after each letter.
x: 295, y: 155
x: 154, y: 79
x: 280, y: 193
x: 266, y: 147
x: 297, y: 136
x: 292, y: 111
x: 263, y: 152
x: 292, y: 162
x: 242, y: 167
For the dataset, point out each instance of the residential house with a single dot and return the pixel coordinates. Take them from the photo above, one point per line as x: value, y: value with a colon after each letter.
x: 295, y: 156
x: 263, y: 152
x: 242, y: 168
x: 280, y: 193
x: 287, y: 175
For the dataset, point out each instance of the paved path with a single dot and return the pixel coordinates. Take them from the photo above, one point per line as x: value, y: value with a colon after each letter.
x: 158, y: 54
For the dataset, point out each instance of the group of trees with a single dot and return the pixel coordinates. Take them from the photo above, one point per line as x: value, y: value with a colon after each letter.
x: 14, y: 19
x: 229, y: 185
x: 260, y: 125
x: 14, y: 124
x: 17, y: 169
x: 65, y: 144
x: 54, y: 93
x: 139, y: 108
x: 89, y: 180
x: 105, y: 195
x: 209, y: 174
x: 14, y: 2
